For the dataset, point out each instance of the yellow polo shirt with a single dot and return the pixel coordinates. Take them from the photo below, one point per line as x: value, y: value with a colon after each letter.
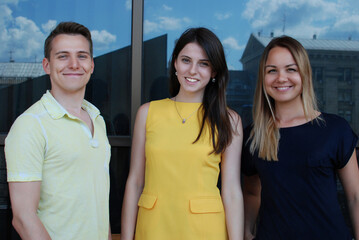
x: 48, y: 144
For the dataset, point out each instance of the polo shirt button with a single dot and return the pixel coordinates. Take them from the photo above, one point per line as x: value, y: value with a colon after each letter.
x: 94, y: 143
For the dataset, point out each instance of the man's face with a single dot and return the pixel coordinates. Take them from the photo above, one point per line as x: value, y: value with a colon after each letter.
x: 70, y: 65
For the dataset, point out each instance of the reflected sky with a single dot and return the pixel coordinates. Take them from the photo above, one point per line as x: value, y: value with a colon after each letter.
x: 24, y: 24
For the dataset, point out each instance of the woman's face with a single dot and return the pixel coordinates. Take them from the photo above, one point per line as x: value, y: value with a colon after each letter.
x: 194, y: 70
x: 282, y: 80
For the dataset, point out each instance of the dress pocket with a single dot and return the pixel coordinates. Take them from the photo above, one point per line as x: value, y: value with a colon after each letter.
x: 147, y: 201
x: 206, y: 205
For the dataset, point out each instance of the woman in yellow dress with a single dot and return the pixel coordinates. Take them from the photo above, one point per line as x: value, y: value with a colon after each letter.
x: 179, y: 146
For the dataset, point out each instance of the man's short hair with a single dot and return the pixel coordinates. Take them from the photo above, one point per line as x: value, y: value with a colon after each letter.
x: 71, y: 28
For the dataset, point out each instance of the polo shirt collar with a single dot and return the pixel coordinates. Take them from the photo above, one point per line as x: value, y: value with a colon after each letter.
x: 57, y: 111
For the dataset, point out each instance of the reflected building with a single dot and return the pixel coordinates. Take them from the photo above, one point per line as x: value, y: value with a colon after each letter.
x: 240, y: 93
x: 15, y: 73
x: 109, y: 89
x: 335, y: 68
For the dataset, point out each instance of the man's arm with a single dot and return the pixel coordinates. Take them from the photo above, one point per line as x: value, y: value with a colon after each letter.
x: 25, y: 198
x: 109, y: 233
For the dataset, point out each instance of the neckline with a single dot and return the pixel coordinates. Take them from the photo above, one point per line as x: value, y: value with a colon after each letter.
x: 317, y: 118
x: 183, y: 102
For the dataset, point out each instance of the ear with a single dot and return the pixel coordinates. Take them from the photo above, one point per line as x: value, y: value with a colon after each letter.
x: 92, y: 66
x: 46, y: 65
x: 175, y: 64
x: 213, y: 74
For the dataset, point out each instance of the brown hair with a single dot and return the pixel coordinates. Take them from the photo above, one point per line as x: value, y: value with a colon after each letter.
x: 215, y: 110
x: 265, y: 134
x: 71, y: 28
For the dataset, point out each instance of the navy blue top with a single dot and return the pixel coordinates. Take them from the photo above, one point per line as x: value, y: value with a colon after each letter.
x: 299, y: 191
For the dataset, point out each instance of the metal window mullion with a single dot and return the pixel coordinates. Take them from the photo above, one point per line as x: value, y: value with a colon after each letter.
x: 136, y: 60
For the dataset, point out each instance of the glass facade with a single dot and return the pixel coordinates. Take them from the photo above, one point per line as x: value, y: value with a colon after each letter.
x: 133, y: 41
x: 23, y: 81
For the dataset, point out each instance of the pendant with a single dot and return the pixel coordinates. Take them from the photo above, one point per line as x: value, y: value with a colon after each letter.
x: 183, y: 121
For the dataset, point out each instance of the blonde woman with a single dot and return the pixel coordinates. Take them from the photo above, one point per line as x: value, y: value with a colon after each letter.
x: 292, y: 153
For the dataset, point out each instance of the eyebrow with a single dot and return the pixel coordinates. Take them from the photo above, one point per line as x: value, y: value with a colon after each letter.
x: 205, y: 59
x: 66, y: 52
x: 274, y: 66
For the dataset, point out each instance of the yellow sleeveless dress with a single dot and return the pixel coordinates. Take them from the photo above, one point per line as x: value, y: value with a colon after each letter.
x: 180, y: 200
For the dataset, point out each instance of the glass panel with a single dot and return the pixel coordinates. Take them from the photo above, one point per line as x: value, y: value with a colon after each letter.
x: 6, y: 229
x: 26, y: 24
x: 4, y: 193
x: 119, y: 167
x: 245, y: 28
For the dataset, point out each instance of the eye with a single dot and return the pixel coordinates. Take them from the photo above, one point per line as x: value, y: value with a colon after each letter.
x: 82, y: 56
x: 272, y: 70
x: 62, y: 56
x: 204, y: 64
x: 292, y: 70
x: 185, y: 60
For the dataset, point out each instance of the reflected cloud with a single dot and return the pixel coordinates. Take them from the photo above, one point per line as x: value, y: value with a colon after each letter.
x: 9, y: 2
x: 47, y: 27
x: 21, y: 39
x: 303, y: 18
x: 232, y: 43
x: 102, y: 39
x: 222, y: 16
x: 128, y: 4
x: 166, y: 8
x: 165, y: 23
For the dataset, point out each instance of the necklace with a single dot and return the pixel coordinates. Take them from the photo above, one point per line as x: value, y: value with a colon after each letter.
x: 184, y: 119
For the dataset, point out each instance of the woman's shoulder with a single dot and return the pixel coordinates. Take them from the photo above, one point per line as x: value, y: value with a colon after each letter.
x: 233, y: 115
x: 160, y: 102
x: 336, y: 125
x: 146, y: 106
x: 153, y: 106
x: 333, y: 119
x: 235, y: 119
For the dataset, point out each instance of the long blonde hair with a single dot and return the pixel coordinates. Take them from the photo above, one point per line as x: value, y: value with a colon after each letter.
x: 265, y: 134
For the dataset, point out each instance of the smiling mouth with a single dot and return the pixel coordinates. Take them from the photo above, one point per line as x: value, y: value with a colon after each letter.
x: 283, y: 88
x: 192, y: 80
x: 73, y: 74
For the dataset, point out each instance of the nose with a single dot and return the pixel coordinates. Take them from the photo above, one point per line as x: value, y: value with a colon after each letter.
x: 282, y: 76
x: 74, y: 63
x: 193, y: 69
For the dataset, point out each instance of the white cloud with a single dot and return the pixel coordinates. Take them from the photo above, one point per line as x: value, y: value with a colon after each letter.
x: 230, y: 66
x: 6, y: 15
x: 128, y: 4
x: 304, y: 17
x: 49, y: 26
x: 167, y: 8
x: 149, y: 26
x: 165, y: 23
x: 25, y: 39
x: 102, y: 39
x: 169, y: 23
x: 232, y: 43
x: 222, y: 16
x: 15, y: 2
x: 348, y: 23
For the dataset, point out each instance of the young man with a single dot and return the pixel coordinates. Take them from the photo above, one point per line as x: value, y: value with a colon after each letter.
x: 57, y: 151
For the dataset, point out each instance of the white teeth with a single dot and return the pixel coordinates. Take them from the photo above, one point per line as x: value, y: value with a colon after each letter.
x: 282, y: 88
x: 191, y: 80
